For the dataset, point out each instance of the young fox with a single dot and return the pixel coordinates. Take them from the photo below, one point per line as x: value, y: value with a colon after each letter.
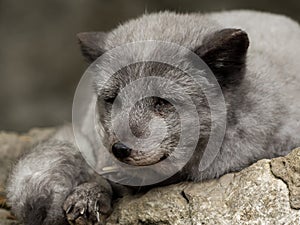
x: 254, y: 57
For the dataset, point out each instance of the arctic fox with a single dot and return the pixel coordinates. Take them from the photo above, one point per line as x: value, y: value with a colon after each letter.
x: 254, y: 57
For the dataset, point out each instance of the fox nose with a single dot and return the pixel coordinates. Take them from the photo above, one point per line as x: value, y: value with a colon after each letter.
x: 120, y: 150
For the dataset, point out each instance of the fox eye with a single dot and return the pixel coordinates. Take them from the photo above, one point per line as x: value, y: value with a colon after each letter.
x: 109, y: 100
x: 161, y: 104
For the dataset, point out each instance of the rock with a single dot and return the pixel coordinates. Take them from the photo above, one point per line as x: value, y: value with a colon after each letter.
x: 5, y: 214
x: 13, y: 144
x: 252, y: 196
x: 288, y: 169
x: 267, y: 192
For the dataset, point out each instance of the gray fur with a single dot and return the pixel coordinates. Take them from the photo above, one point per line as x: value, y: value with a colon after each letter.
x: 263, y: 108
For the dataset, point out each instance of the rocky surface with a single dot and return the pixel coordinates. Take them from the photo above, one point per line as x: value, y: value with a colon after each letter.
x: 268, y: 192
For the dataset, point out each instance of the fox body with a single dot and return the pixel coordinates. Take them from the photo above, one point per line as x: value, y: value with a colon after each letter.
x: 254, y: 57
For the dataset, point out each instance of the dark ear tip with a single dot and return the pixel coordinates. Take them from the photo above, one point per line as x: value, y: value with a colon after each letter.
x: 91, y: 44
x: 241, y: 34
x: 238, y: 36
x: 80, y: 35
x: 236, y: 33
x: 85, y: 36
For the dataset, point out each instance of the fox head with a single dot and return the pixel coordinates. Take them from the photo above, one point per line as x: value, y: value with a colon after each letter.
x: 150, y: 130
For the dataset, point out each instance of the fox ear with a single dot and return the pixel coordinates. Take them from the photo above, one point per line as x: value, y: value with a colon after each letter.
x: 225, y: 54
x: 91, y: 44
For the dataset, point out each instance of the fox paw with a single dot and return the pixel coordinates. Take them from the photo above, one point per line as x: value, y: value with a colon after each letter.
x: 88, y: 204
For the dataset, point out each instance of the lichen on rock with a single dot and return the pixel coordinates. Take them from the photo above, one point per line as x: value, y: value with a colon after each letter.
x: 288, y: 169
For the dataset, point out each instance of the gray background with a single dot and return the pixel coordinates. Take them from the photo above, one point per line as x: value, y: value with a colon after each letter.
x: 40, y: 63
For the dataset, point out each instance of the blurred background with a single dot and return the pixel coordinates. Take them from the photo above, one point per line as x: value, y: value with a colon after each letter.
x: 40, y: 62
